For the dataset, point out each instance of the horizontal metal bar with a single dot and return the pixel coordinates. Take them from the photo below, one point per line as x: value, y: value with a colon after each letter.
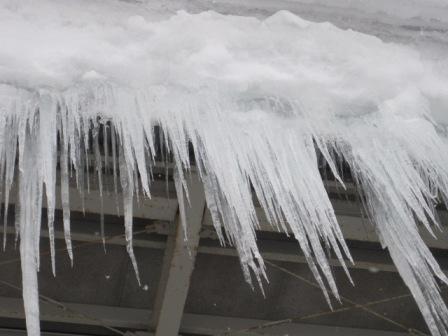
x: 136, y: 319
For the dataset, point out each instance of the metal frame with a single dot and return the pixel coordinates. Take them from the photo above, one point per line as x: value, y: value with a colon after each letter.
x: 178, y: 263
x: 136, y: 319
x: 167, y: 317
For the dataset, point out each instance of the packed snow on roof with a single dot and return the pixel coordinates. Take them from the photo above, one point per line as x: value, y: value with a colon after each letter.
x: 261, y: 100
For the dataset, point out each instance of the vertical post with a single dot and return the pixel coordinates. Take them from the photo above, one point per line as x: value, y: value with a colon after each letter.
x: 178, y: 264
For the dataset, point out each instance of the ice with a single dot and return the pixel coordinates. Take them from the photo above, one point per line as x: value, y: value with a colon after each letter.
x: 127, y: 185
x: 47, y: 151
x: 65, y: 193
x: 9, y: 163
x: 261, y: 101
x: 30, y: 198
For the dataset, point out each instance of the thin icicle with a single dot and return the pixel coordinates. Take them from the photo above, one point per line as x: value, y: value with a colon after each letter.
x: 99, y: 170
x: 65, y: 192
x: 126, y: 179
x: 106, y: 147
x: 114, y: 165
x: 181, y: 203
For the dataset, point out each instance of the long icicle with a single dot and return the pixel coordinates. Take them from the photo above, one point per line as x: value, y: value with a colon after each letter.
x: 65, y: 191
x: 30, y: 196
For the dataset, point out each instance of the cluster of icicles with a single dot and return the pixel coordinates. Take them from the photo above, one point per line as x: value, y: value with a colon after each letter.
x: 262, y: 103
x: 400, y: 165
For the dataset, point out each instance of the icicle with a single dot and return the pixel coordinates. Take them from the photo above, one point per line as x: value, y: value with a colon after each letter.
x: 48, y: 109
x: 99, y: 169
x: 114, y: 164
x: 86, y: 131
x: 65, y: 192
x: 30, y: 192
x: 181, y: 203
x: 126, y: 178
x: 10, y: 163
x: 106, y: 147
x: 397, y: 182
x: 98, y: 160
x: 17, y: 212
x: 102, y: 229
x: 81, y: 176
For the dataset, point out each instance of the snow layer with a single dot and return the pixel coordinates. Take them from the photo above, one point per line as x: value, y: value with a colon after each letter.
x: 261, y: 102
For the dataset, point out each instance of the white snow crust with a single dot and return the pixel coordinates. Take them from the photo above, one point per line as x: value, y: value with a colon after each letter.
x: 260, y: 100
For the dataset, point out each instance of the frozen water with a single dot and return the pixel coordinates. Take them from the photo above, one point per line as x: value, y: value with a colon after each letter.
x: 262, y: 101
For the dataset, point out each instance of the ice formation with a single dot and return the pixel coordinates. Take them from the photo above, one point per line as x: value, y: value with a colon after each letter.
x: 261, y: 101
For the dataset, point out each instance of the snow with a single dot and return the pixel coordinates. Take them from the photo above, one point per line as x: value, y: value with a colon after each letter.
x: 262, y: 102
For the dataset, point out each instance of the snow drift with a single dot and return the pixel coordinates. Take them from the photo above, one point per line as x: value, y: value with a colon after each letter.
x: 260, y: 101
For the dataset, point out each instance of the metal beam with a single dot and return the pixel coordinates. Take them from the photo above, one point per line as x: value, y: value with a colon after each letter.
x: 14, y: 332
x: 284, y: 251
x: 207, y: 325
x: 180, y: 254
x: 163, y: 206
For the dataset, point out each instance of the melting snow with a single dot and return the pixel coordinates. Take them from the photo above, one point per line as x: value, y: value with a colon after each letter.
x: 260, y: 100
